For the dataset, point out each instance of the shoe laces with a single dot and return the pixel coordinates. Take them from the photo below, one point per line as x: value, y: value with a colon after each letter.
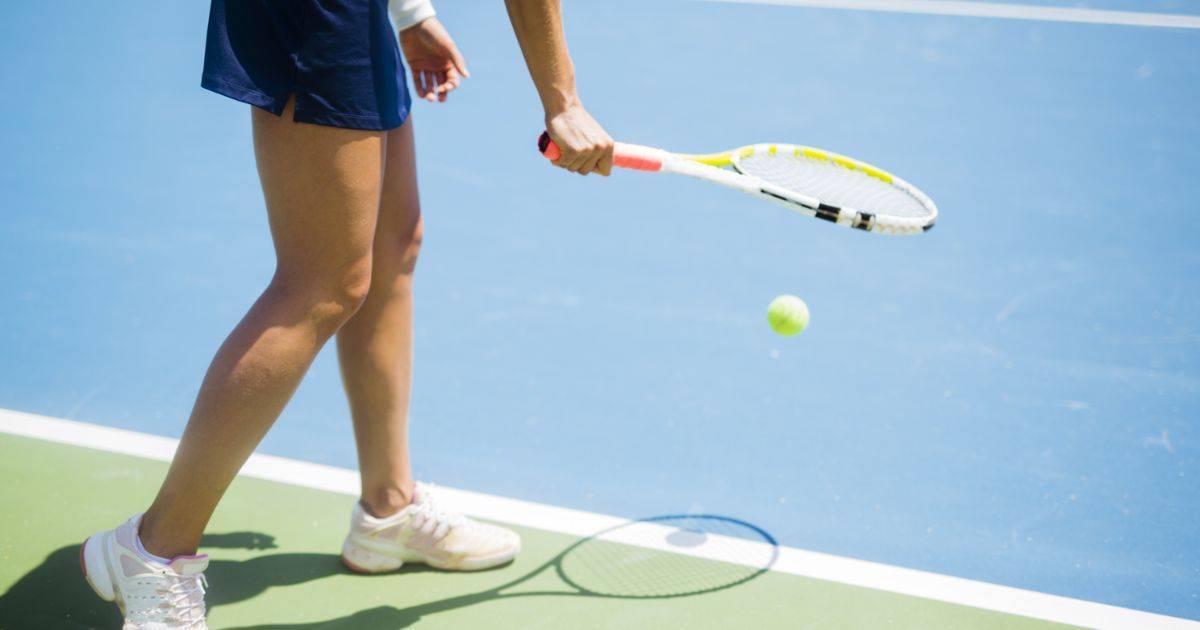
x: 431, y: 511
x: 183, y: 598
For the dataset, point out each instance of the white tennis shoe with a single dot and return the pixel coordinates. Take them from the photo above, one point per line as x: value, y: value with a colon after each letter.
x: 151, y: 595
x: 425, y: 533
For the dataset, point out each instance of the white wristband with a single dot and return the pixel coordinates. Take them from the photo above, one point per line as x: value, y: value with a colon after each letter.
x: 406, y: 13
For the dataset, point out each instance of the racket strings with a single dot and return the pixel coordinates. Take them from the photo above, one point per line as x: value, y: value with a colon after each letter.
x: 831, y: 183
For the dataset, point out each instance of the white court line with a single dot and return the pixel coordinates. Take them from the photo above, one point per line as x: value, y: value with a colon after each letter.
x: 577, y: 523
x: 997, y: 10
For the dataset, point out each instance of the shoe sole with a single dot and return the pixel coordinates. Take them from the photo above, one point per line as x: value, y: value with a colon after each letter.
x: 464, y: 565
x: 354, y: 568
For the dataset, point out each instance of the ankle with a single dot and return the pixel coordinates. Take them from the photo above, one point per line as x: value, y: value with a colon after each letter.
x: 153, y: 541
x: 384, y: 502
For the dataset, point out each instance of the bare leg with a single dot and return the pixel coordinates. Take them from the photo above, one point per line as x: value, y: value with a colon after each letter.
x: 375, y: 346
x: 322, y: 189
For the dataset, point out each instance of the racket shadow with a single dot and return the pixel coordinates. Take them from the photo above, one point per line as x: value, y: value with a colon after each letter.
x: 662, y: 557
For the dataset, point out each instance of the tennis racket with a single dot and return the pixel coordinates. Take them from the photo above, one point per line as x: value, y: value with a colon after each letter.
x: 810, y: 181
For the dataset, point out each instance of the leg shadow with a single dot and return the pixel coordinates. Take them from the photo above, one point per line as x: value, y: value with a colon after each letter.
x: 54, y: 595
x: 380, y: 618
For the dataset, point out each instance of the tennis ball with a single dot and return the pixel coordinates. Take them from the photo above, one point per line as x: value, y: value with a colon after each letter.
x: 787, y: 315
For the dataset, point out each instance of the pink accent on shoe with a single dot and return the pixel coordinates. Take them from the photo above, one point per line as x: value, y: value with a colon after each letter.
x: 127, y: 532
x: 131, y: 568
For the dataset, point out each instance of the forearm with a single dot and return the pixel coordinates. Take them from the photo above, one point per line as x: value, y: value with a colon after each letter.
x: 538, y: 26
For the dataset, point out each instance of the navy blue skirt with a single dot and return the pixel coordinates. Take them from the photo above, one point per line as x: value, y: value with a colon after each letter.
x: 338, y: 57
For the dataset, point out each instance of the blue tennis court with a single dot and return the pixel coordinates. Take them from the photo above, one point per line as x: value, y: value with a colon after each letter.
x: 1011, y: 398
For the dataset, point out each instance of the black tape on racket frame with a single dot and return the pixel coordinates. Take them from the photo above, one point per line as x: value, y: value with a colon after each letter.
x: 863, y: 221
x: 828, y: 212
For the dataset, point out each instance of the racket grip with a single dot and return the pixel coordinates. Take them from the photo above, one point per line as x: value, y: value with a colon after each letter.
x: 628, y: 156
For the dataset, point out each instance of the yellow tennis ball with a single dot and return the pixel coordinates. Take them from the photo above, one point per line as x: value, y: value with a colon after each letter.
x: 787, y: 315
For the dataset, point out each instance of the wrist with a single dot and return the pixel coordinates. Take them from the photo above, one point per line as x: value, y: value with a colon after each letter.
x: 557, y: 102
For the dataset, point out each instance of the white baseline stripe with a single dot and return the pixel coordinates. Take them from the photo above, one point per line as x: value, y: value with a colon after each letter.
x: 578, y: 523
x: 997, y: 10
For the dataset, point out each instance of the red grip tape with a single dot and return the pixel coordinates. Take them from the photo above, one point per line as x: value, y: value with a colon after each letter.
x: 624, y: 155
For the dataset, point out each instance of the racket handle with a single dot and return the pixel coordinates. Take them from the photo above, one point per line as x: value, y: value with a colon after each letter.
x: 630, y: 156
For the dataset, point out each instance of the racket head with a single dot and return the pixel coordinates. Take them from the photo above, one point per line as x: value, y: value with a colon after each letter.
x: 668, y: 556
x: 850, y: 192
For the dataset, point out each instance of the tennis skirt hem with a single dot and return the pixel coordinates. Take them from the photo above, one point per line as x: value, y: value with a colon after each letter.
x: 276, y: 104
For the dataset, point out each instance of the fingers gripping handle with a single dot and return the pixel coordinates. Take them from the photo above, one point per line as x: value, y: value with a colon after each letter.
x: 630, y: 156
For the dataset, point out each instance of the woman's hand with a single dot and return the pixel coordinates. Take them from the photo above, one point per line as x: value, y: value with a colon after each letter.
x: 584, y: 144
x: 437, y: 66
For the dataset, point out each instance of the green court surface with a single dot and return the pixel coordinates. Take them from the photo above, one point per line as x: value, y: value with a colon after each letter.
x: 275, y: 565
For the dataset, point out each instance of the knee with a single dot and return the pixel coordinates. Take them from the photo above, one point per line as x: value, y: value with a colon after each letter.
x: 327, y: 298
x: 332, y: 303
x: 411, y: 247
x: 348, y: 294
x: 406, y: 246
